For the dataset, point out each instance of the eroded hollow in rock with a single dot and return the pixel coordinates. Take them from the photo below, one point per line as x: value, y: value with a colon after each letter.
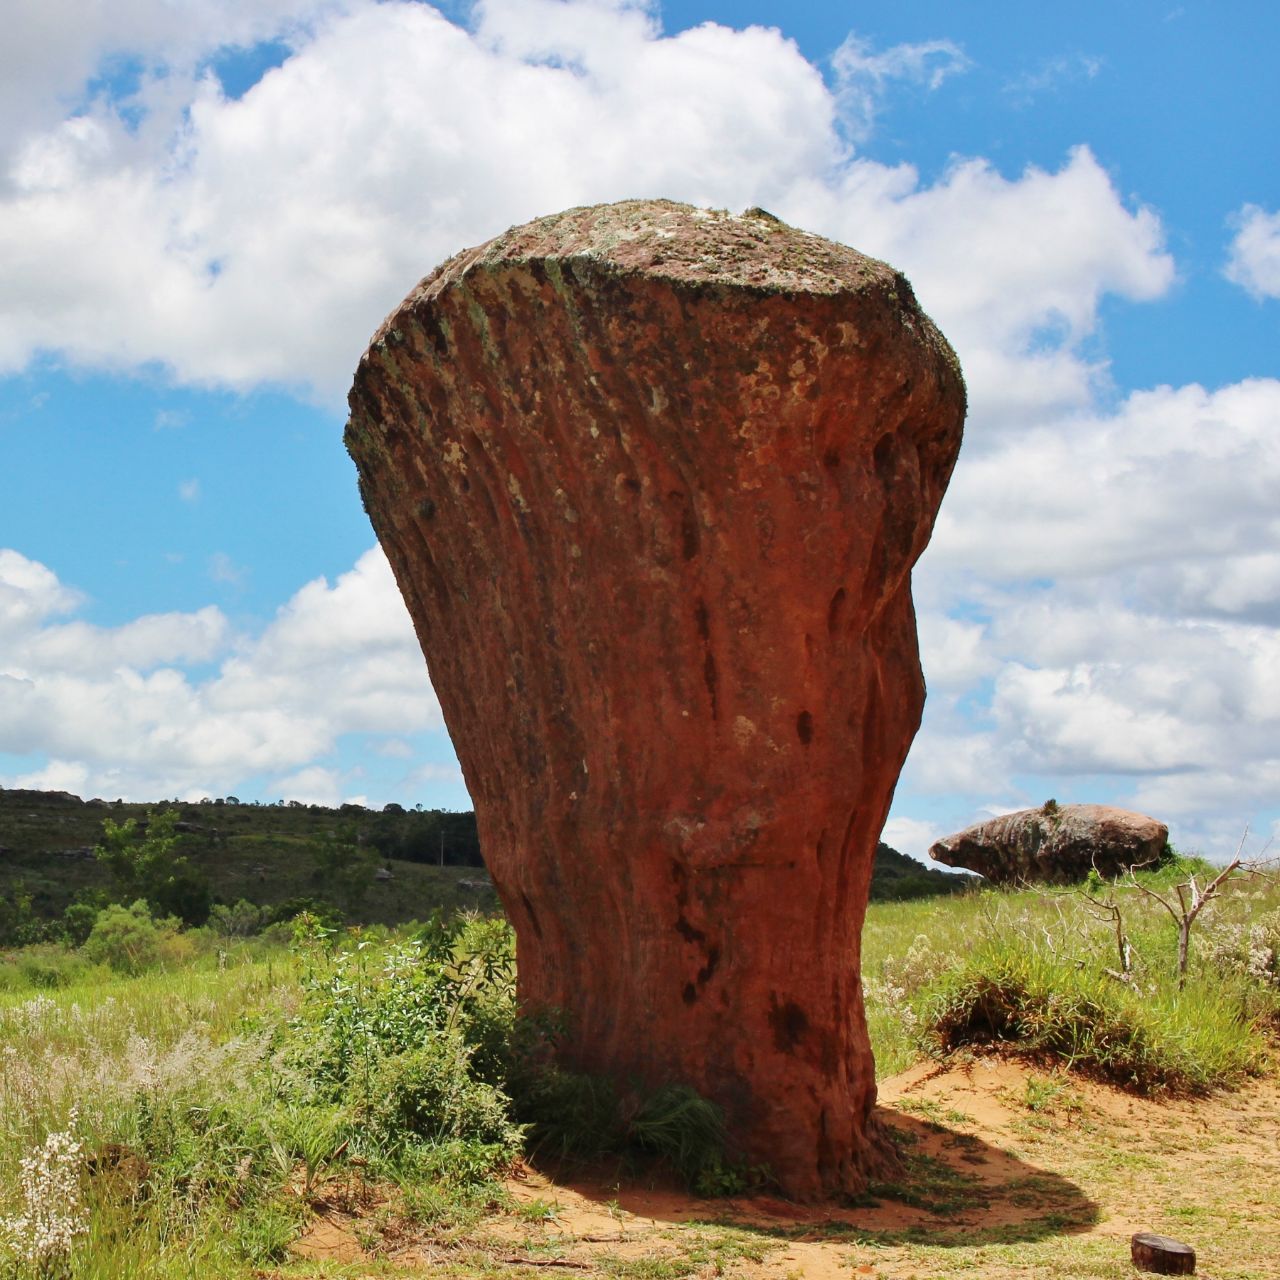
x: 652, y: 480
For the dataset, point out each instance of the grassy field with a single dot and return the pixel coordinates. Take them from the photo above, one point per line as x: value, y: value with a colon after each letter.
x: 237, y: 1104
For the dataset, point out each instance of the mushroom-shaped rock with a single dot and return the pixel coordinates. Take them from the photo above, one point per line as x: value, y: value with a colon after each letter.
x: 652, y: 480
x: 1055, y: 844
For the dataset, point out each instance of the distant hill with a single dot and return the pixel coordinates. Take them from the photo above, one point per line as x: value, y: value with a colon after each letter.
x: 897, y: 877
x: 268, y: 854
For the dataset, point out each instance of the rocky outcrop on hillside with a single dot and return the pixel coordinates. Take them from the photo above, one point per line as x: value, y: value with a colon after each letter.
x: 1055, y: 844
x: 652, y: 480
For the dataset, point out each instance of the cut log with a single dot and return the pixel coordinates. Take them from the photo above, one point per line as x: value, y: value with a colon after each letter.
x: 1161, y: 1255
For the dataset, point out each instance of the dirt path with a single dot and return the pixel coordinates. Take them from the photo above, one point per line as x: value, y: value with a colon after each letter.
x: 1012, y: 1172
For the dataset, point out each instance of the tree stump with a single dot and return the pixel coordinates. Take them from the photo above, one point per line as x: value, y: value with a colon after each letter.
x: 1161, y: 1255
x: 652, y: 480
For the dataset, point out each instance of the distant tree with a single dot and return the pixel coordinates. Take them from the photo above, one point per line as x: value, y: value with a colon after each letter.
x: 432, y: 835
x: 325, y: 912
x: 143, y: 864
x: 19, y: 923
x: 78, y: 921
x: 343, y: 870
x: 239, y: 921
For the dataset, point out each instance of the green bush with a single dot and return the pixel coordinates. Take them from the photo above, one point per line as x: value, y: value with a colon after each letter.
x: 49, y: 966
x: 412, y: 1040
x: 241, y: 920
x: 419, y: 1044
x: 681, y: 1127
x: 125, y: 939
x: 140, y: 857
x: 20, y: 924
x: 430, y: 1094
x: 78, y: 921
x: 567, y: 1114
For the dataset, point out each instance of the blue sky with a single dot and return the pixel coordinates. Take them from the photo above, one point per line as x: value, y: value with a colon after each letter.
x: 205, y: 212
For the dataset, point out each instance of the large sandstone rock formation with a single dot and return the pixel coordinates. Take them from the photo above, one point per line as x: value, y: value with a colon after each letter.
x: 1056, y: 844
x: 652, y: 480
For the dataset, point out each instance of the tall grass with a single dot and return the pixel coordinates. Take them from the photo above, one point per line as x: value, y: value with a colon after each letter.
x: 152, y: 1080
x: 1008, y: 994
x: 1040, y: 971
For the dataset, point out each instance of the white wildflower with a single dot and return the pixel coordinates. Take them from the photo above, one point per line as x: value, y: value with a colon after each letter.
x: 53, y: 1210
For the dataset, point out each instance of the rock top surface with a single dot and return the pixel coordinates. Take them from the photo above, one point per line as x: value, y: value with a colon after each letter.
x: 665, y: 240
x: 1055, y: 844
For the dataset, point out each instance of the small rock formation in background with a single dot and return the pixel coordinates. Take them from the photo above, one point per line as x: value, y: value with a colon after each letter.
x: 652, y: 480
x: 1055, y: 844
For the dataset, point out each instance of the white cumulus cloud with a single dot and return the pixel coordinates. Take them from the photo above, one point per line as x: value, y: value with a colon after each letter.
x: 1254, y: 258
x: 116, y: 713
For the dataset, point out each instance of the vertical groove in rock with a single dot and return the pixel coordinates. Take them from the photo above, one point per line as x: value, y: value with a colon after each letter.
x: 652, y: 480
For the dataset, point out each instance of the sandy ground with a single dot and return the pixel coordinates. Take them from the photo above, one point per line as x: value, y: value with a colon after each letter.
x: 1012, y: 1172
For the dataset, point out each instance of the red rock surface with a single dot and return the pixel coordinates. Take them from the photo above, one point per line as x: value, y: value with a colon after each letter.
x: 1056, y: 844
x: 652, y: 480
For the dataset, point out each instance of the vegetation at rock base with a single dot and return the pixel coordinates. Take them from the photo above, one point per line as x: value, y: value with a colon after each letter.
x: 200, y: 1095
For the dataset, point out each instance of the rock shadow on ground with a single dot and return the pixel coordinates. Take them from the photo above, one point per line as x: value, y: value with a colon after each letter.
x: 956, y: 1188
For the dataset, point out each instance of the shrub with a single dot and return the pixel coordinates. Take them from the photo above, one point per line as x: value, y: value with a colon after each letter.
x: 430, y: 1094
x: 78, y: 921
x: 683, y: 1128
x: 1246, y: 950
x: 125, y: 939
x: 19, y: 922
x: 411, y: 1040
x: 141, y: 859
x: 567, y: 1114
x: 48, y: 966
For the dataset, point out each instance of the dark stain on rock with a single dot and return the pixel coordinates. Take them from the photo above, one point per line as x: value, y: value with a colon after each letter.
x: 712, y: 679
x: 533, y: 915
x: 690, y: 933
x: 703, y: 621
x: 710, y: 675
x: 707, y: 971
x: 789, y: 1022
x: 690, y: 539
x: 834, y: 611
x: 804, y: 727
x: 433, y: 331
x: 885, y: 458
